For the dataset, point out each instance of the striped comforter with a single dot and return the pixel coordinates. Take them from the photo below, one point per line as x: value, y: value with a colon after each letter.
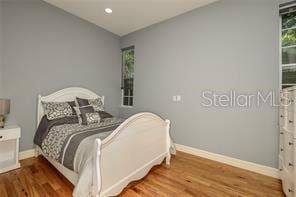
x: 63, y: 141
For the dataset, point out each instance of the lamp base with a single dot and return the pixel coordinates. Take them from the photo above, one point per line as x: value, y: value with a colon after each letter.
x: 2, y: 121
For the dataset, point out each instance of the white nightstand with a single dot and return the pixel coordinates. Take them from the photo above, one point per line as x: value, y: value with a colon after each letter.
x: 9, y: 147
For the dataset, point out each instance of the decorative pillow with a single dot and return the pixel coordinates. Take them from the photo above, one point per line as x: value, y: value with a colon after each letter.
x: 72, y: 104
x: 97, y: 103
x: 87, y: 115
x: 54, y: 110
x: 93, y: 118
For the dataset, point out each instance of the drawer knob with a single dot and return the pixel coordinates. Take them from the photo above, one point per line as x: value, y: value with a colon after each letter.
x: 290, y: 164
x: 290, y: 143
x: 281, y: 116
x: 1, y: 136
x: 290, y: 121
x: 282, y: 149
x: 281, y: 133
x: 281, y: 169
x: 290, y: 190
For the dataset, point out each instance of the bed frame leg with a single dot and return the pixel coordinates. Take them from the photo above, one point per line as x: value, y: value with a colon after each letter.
x: 97, y: 168
x: 37, y: 152
x: 168, y: 143
x: 168, y: 159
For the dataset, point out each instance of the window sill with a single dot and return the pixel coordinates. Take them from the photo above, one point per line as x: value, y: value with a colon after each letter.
x: 126, y: 106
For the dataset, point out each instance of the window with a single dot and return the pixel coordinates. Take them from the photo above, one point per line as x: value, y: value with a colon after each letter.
x: 288, y: 48
x: 127, y: 81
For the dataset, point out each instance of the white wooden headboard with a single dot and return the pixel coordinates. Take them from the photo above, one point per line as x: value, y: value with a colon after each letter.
x: 67, y: 94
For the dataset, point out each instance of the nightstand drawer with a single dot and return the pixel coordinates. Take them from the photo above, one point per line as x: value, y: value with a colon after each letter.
x: 9, y: 134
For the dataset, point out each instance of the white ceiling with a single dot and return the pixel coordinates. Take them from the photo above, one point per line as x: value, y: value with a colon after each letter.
x: 128, y: 15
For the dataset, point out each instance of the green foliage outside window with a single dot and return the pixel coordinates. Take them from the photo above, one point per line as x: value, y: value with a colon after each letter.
x: 289, y: 20
x: 289, y: 37
x: 128, y: 58
x: 289, y: 49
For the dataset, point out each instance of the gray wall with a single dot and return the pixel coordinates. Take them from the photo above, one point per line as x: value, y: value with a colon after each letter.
x: 231, y: 44
x: 227, y: 45
x: 1, y: 51
x: 46, y: 49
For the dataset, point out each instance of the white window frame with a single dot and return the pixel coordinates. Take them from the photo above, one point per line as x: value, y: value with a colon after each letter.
x: 122, y: 90
x: 122, y: 96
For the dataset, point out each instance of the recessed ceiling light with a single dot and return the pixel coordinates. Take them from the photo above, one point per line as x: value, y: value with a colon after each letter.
x: 108, y: 10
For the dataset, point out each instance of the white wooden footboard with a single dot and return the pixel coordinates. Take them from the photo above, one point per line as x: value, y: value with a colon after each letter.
x: 138, y: 144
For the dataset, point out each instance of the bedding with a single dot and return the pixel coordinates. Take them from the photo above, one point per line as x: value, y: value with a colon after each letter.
x: 72, y: 105
x: 104, y: 114
x: 45, y: 125
x: 72, y: 144
x: 62, y: 142
x: 87, y: 115
x: 60, y: 139
x: 54, y: 110
x: 97, y: 103
x: 93, y: 118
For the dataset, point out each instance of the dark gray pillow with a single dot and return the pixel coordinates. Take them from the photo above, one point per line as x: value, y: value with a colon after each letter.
x: 104, y: 115
x: 82, y: 102
x: 97, y: 103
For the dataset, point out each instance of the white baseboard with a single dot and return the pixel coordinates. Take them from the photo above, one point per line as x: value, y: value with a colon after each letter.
x: 27, y: 154
x: 261, y: 169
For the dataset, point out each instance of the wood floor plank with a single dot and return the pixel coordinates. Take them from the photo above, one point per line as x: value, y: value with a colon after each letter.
x: 131, y: 193
x: 187, y: 176
x: 50, y: 191
x: 3, y: 191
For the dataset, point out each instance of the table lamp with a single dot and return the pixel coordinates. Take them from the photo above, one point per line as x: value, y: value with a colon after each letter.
x: 4, y: 110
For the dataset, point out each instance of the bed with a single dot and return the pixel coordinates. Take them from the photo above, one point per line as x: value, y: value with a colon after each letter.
x: 127, y: 154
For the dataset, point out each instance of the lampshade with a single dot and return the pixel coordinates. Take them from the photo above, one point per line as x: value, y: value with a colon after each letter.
x: 4, y: 106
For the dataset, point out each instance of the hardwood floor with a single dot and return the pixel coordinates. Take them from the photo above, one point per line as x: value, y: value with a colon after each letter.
x: 187, y: 176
